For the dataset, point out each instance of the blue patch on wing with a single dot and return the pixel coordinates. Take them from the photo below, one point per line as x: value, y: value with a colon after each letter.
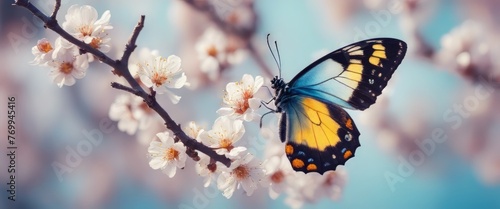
x: 323, y: 82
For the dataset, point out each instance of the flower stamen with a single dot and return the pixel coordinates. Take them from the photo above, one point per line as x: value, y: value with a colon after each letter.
x: 226, y: 144
x: 158, y: 78
x: 212, y: 51
x: 44, y: 47
x: 85, y: 30
x: 241, y: 172
x: 171, y: 154
x: 278, y: 177
x: 66, y: 67
x: 95, y: 43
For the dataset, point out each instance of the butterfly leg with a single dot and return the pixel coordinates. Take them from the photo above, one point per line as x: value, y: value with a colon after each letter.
x: 266, y: 103
x: 260, y: 124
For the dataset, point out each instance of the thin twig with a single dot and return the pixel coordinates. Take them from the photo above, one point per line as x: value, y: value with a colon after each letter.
x: 56, y: 9
x: 124, y: 88
x: 121, y: 67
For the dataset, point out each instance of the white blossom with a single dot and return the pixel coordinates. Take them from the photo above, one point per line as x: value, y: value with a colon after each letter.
x: 121, y: 111
x: 42, y: 51
x: 193, y: 130
x: 211, y: 50
x: 166, y: 154
x: 82, y: 23
x: 312, y: 187
x: 330, y: 184
x: 223, y: 135
x: 465, y: 46
x: 239, y: 98
x: 163, y: 73
x: 246, y: 172
x: 132, y: 113
x: 67, y: 65
x: 278, y: 172
x: 139, y: 57
x: 207, y: 169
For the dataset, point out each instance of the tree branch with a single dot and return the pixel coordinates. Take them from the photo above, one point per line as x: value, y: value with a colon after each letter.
x: 121, y: 67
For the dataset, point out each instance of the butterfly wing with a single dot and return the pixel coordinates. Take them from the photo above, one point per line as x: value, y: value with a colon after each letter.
x: 353, y: 76
x: 320, y: 135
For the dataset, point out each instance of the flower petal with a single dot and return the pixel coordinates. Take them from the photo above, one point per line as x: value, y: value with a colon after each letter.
x: 104, y: 20
x: 225, y: 111
x: 173, y: 64
x: 259, y: 81
x: 248, y: 185
x: 157, y: 163
x: 170, y: 170
x: 88, y: 14
x: 146, y: 81
x: 247, y: 80
x: 179, y: 82
x: 239, y: 130
x: 174, y: 98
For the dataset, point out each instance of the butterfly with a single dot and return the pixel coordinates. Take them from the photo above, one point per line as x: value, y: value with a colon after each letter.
x: 318, y: 132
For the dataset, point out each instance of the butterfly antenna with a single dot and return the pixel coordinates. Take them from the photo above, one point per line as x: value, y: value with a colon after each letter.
x: 279, y: 57
x: 274, y: 56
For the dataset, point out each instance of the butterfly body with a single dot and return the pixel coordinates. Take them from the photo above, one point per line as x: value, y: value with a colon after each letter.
x: 319, y: 133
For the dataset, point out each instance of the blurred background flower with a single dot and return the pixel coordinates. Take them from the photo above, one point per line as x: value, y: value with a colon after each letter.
x: 430, y: 141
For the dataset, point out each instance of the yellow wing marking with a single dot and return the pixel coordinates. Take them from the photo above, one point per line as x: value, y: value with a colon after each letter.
x: 349, y: 78
x: 374, y: 61
x: 316, y: 128
x: 380, y: 54
x: 378, y: 47
x: 355, y: 68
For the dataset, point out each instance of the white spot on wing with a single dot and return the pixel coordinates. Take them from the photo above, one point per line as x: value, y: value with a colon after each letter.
x: 357, y: 52
x: 355, y: 61
x: 355, y: 48
x: 348, y: 137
